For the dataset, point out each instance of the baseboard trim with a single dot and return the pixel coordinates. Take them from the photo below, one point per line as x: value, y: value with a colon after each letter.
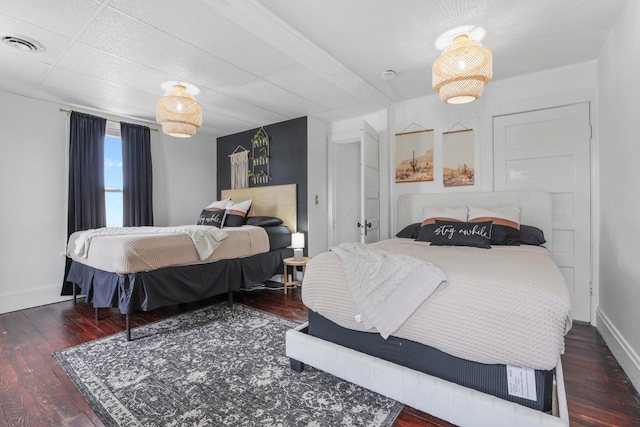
x: 31, y: 298
x: 622, y: 351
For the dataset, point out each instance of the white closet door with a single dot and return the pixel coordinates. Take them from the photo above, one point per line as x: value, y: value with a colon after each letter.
x: 550, y: 150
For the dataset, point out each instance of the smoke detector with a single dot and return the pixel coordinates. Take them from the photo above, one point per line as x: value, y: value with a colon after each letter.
x: 22, y: 43
x: 388, y: 75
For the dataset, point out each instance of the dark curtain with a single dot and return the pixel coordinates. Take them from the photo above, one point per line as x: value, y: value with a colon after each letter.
x: 136, y: 175
x: 86, y: 208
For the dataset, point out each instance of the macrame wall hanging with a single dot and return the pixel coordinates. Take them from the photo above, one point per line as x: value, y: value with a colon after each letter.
x: 239, y: 168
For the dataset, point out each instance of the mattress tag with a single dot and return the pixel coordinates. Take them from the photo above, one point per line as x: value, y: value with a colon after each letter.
x: 358, y: 318
x: 521, y: 382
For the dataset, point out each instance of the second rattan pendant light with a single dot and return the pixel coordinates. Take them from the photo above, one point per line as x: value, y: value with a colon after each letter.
x: 461, y: 72
x: 179, y: 113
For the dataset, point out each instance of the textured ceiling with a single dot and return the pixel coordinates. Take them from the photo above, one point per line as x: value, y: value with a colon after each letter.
x: 263, y: 61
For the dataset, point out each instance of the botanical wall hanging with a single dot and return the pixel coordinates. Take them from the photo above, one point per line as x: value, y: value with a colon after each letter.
x: 259, y: 172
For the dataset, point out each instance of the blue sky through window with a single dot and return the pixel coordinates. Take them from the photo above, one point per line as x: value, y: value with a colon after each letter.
x: 113, y: 180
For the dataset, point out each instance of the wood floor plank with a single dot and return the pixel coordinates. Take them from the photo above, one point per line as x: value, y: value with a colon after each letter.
x: 34, y: 388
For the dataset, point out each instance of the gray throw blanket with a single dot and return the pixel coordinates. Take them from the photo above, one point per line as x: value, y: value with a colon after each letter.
x: 386, y: 287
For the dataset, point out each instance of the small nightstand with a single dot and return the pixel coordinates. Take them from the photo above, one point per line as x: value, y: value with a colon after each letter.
x: 290, y: 262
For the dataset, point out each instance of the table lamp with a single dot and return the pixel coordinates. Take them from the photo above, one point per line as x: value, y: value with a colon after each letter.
x: 297, y: 243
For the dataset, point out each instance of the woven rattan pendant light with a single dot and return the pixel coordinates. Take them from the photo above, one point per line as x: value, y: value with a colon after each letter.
x: 179, y: 113
x: 461, y: 72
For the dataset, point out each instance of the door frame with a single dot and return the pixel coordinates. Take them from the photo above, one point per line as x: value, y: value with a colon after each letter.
x: 334, y: 139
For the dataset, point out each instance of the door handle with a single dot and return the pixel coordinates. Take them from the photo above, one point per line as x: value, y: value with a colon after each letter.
x: 367, y: 224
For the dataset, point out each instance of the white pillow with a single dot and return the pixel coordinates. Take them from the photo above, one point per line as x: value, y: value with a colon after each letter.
x: 218, y: 205
x: 508, y: 215
x: 505, y: 229
x: 447, y: 214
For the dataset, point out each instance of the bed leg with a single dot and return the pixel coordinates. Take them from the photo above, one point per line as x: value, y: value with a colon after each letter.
x: 96, y: 311
x: 230, y: 299
x: 128, y: 326
x: 296, y: 365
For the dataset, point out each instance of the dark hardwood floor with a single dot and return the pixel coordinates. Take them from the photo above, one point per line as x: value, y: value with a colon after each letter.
x: 35, y: 391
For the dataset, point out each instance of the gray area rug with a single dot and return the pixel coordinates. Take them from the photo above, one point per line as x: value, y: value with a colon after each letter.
x: 217, y: 366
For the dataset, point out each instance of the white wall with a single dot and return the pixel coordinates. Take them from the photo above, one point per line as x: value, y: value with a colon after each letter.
x: 184, y: 177
x: 33, y: 190
x: 545, y: 89
x: 619, y: 92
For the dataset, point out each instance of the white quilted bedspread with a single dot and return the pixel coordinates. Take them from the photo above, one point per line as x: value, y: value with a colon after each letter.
x: 505, y: 305
x: 132, y: 253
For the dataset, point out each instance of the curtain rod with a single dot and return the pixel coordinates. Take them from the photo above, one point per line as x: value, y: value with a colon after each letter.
x: 62, y: 110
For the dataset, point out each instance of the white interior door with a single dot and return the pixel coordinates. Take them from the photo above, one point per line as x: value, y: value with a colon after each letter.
x: 370, y: 185
x: 355, y: 186
x: 346, y: 194
x: 550, y: 150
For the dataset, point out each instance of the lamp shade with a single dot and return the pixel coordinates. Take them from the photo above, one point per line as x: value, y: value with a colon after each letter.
x: 461, y: 72
x: 297, y: 240
x: 179, y: 113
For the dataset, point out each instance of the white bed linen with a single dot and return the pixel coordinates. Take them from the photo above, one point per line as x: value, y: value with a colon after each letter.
x: 504, y: 305
x: 205, y: 239
x: 133, y: 253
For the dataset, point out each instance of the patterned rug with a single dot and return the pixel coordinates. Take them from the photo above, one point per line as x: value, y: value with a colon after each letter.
x: 216, y: 366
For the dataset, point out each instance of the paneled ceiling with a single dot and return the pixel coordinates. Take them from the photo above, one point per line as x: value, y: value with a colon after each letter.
x: 263, y: 61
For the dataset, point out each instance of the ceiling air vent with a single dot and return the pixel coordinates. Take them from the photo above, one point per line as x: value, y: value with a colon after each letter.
x: 22, y: 43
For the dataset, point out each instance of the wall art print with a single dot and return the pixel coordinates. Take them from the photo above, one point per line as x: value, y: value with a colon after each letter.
x: 414, y: 156
x: 458, y: 158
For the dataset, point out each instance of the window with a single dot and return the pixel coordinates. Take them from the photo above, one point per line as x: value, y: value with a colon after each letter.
x: 113, y: 176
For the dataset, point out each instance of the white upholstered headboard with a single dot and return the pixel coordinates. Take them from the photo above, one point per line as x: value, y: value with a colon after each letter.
x: 535, y: 206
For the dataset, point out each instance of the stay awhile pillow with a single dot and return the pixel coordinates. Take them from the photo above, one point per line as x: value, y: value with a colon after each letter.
x: 237, y: 213
x: 453, y: 233
x: 214, y: 218
x: 506, y: 223
x: 430, y: 216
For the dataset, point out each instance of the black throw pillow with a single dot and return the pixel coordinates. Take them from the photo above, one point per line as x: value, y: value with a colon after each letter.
x: 474, y: 234
x: 530, y: 235
x: 263, y: 221
x: 410, y: 231
x: 504, y: 235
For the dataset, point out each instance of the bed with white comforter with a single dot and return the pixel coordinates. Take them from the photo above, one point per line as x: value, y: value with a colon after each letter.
x: 506, y: 305
x: 499, y: 313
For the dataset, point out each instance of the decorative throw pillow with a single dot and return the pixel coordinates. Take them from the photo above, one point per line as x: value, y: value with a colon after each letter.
x: 213, y: 218
x: 506, y: 223
x: 410, y: 231
x: 451, y: 233
x: 218, y: 205
x: 263, y: 221
x: 425, y: 232
x: 237, y: 213
x: 530, y: 235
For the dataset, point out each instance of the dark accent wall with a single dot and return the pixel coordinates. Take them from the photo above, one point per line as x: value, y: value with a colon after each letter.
x: 287, y: 162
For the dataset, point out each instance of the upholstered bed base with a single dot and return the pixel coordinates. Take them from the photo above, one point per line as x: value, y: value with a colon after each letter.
x: 490, y: 379
x: 454, y: 403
